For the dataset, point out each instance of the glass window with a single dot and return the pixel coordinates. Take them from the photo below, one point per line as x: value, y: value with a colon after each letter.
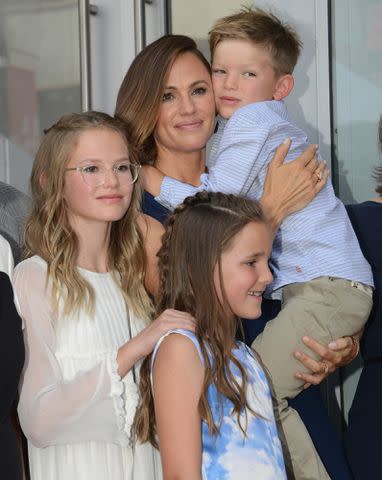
x: 357, y: 95
x: 195, y: 18
x: 39, y: 77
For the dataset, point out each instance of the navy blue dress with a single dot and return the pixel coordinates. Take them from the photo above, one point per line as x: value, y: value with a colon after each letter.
x: 308, y: 403
x: 363, y: 437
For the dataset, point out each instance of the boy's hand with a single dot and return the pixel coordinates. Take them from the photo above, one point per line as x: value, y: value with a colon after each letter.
x: 291, y: 186
x: 151, y: 179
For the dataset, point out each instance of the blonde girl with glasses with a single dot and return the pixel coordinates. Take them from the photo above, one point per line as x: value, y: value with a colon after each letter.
x: 84, y: 307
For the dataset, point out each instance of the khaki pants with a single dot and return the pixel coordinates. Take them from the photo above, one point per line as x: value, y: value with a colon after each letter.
x: 325, y: 308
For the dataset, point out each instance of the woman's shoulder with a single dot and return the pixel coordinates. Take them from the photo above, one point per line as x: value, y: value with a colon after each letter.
x: 370, y: 206
x: 366, y: 218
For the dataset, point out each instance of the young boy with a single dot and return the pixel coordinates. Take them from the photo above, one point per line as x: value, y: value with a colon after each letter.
x: 325, y: 281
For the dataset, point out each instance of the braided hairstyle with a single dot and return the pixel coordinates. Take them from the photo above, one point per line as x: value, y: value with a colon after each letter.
x: 196, y: 235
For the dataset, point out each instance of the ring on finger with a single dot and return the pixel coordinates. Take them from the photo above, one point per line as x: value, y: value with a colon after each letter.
x: 324, y: 367
x: 319, y: 176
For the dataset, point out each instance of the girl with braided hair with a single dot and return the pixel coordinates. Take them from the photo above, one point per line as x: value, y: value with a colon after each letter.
x: 209, y: 403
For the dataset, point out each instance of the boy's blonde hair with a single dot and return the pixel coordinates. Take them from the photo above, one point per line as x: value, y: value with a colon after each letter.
x: 262, y: 28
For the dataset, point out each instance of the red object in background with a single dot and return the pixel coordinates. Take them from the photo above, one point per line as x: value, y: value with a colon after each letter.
x: 374, y: 28
x: 19, y: 111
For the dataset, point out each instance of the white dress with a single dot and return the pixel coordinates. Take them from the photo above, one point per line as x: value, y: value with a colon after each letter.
x: 74, y: 409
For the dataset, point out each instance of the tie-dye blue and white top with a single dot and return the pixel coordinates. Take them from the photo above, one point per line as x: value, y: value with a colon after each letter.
x: 230, y: 456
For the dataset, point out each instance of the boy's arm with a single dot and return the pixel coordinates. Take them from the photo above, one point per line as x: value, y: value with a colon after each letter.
x: 177, y: 386
x: 236, y: 167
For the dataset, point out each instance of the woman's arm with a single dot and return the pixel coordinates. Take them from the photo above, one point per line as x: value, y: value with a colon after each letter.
x: 177, y: 386
x: 289, y: 187
x: 152, y: 232
x: 337, y: 354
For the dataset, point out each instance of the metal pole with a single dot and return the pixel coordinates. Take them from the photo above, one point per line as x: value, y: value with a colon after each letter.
x: 85, y: 72
x: 139, y: 23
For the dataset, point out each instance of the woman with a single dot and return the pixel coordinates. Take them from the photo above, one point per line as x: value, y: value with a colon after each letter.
x: 365, y: 418
x: 167, y: 98
x: 85, y: 310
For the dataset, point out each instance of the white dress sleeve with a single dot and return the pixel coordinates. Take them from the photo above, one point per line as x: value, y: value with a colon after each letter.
x: 52, y: 410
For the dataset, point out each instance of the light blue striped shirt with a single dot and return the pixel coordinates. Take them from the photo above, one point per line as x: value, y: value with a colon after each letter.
x: 316, y: 241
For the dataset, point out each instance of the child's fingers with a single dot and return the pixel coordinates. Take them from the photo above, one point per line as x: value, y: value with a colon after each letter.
x: 172, y: 319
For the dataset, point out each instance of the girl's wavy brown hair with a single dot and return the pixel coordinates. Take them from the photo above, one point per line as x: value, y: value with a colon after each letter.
x: 49, y: 234
x: 197, y: 233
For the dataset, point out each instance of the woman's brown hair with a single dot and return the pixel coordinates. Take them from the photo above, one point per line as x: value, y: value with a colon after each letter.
x: 48, y: 231
x: 140, y: 95
x: 197, y: 233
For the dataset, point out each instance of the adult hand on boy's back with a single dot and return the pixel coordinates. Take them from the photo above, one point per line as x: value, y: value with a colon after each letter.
x: 291, y: 186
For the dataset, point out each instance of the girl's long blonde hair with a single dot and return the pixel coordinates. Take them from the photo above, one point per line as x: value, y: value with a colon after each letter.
x: 197, y: 233
x: 49, y: 234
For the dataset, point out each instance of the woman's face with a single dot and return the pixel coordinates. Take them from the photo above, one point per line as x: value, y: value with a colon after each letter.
x: 187, y: 113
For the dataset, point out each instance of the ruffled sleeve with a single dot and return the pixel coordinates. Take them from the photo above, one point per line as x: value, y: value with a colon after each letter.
x: 53, y: 410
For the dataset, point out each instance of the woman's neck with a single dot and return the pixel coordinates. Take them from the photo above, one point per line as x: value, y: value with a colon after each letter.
x: 183, y: 166
x: 93, y: 244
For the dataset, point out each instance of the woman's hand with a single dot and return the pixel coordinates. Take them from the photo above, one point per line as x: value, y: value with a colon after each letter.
x: 337, y: 354
x: 291, y: 186
x: 144, y: 343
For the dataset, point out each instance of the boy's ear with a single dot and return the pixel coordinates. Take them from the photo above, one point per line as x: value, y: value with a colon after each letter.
x: 284, y: 86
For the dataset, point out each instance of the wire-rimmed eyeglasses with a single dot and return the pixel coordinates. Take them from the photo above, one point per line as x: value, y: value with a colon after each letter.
x: 94, y: 174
